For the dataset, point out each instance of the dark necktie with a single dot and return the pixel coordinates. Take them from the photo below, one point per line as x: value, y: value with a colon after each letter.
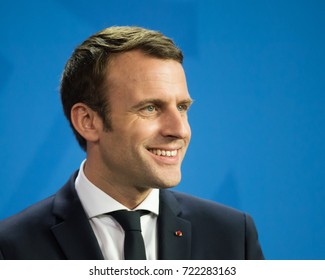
x: 133, y: 243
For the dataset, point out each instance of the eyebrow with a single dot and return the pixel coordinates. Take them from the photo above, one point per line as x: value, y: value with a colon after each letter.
x: 159, y: 102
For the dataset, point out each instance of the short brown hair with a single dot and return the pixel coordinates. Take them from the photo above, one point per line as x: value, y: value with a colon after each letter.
x: 83, y: 78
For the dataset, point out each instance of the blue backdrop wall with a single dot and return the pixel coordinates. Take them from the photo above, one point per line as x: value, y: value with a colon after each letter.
x: 256, y: 71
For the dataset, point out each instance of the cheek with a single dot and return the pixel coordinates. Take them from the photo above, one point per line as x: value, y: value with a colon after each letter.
x: 141, y: 129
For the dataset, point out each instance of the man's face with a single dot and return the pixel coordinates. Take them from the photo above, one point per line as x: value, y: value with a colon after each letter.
x: 150, y: 131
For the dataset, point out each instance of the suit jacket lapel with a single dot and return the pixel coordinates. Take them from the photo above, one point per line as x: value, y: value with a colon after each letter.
x: 78, y: 241
x: 174, y: 233
x: 73, y: 231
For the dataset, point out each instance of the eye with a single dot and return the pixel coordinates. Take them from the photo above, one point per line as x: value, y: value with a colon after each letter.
x: 150, y: 108
x: 182, y: 107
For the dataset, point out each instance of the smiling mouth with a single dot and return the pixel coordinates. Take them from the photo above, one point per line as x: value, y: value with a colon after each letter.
x: 163, y: 153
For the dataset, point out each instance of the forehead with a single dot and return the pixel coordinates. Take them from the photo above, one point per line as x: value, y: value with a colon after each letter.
x: 134, y: 75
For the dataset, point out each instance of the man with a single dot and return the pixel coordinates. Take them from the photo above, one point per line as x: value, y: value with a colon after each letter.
x: 124, y: 93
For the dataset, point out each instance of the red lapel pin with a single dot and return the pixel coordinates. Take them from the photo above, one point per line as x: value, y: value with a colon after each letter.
x: 178, y: 233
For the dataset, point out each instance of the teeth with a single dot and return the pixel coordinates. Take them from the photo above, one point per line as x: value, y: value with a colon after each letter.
x: 164, y: 153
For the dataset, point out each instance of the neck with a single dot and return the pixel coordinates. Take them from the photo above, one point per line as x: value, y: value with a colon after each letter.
x: 129, y: 196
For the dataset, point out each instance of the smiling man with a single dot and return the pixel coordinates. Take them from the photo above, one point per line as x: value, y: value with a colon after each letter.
x: 149, y: 131
x: 124, y: 93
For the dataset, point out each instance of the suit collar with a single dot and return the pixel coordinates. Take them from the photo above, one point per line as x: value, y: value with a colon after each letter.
x: 174, y: 233
x: 73, y: 231
x: 78, y: 241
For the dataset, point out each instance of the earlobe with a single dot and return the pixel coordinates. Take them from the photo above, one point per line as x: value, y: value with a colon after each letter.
x: 85, y: 121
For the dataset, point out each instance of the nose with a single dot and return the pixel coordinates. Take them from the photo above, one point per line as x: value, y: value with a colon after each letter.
x: 175, y: 124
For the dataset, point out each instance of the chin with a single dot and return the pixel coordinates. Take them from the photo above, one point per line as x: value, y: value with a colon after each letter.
x: 171, y: 183
x: 164, y: 179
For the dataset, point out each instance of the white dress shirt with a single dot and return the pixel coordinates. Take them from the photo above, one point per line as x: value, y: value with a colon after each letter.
x: 109, y: 233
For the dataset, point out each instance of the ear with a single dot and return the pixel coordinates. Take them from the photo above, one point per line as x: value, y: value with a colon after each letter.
x: 86, y: 122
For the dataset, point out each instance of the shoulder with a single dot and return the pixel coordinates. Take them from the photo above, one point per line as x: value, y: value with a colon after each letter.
x: 39, y: 215
x: 27, y: 219
x: 228, y: 233
x: 194, y: 205
x: 202, y: 212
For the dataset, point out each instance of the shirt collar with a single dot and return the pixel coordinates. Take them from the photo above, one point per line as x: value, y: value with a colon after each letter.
x: 96, y: 202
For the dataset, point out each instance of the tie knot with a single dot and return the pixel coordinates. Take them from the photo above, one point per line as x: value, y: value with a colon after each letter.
x: 129, y: 220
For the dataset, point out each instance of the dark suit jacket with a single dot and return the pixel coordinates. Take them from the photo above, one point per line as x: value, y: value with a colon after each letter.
x: 58, y: 228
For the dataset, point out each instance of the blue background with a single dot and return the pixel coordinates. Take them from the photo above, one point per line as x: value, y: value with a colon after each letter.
x: 256, y: 71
